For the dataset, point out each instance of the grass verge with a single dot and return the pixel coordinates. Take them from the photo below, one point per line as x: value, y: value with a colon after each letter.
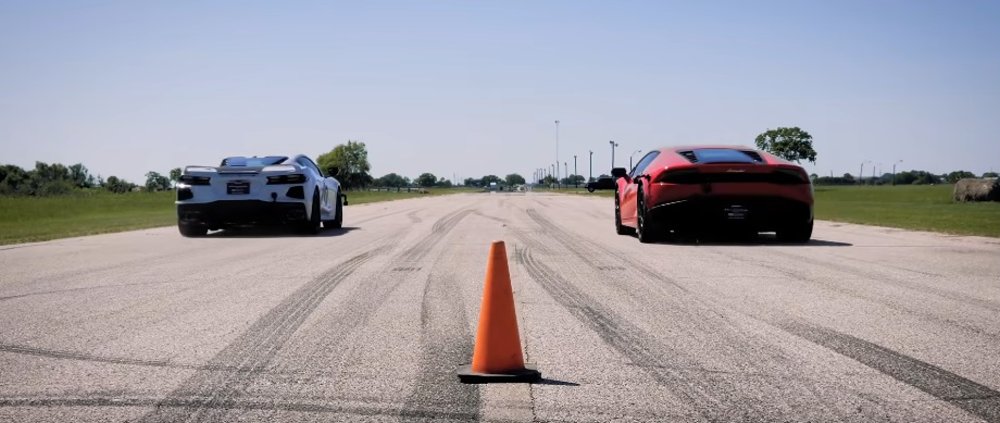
x: 917, y: 207
x: 30, y: 219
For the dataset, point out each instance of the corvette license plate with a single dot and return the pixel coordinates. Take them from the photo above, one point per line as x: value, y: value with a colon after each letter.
x: 736, y: 212
x: 238, y: 188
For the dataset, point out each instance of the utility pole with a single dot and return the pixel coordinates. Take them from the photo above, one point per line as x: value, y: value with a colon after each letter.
x: 565, y: 170
x: 590, y: 177
x: 894, y: 171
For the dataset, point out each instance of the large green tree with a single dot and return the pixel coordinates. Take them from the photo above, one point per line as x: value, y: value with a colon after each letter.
x: 156, y: 182
x: 514, y: 179
x: 792, y: 144
x: 351, y: 161
x: 392, y: 180
x: 491, y: 178
x: 957, y: 175
x: 426, y: 180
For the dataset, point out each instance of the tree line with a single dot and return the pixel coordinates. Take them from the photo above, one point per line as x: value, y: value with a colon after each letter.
x: 59, y: 179
x: 910, y: 177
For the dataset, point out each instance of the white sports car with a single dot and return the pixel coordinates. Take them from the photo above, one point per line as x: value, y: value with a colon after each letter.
x: 258, y: 190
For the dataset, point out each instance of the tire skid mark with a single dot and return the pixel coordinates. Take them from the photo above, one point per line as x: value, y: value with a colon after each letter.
x: 438, y: 231
x: 734, y: 335
x: 76, y: 356
x: 630, y: 341
x: 413, y: 217
x: 445, y: 340
x: 882, y: 277
x: 901, y: 307
x: 320, y: 406
x: 365, y: 300
x: 83, y: 288
x: 376, y: 217
x: 254, y: 349
x: 968, y: 395
x: 491, y: 217
x: 974, y: 398
x: 587, y: 251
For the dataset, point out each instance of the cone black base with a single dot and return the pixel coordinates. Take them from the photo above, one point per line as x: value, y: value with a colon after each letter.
x: 528, y: 374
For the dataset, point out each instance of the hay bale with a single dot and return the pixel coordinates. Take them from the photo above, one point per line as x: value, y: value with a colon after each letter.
x: 977, y: 189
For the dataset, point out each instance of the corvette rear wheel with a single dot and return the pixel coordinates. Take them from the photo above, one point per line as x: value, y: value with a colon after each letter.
x: 642, y: 228
x: 191, y: 229
x: 338, y: 221
x: 312, y: 226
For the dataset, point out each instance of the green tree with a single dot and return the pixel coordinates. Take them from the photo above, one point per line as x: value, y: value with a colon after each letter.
x: 514, y: 179
x: 156, y: 182
x: 989, y: 174
x: 792, y: 144
x: 392, y: 180
x: 175, y: 174
x: 13, y: 180
x: 426, y: 180
x: 81, y: 176
x: 443, y: 183
x: 351, y: 161
x: 957, y: 175
x: 116, y: 185
x: 471, y: 182
x: 486, y: 180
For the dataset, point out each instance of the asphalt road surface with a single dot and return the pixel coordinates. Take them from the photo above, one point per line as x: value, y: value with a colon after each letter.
x: 370, y: 322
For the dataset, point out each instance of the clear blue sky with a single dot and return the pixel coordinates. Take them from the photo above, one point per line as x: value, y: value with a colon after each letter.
x: 472, y: 88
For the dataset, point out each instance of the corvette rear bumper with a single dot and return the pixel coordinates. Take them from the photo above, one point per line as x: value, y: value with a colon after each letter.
x: 719, y: 212
x: 241, y: 212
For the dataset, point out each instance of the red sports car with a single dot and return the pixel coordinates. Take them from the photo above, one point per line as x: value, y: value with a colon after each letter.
x: 694, y: 188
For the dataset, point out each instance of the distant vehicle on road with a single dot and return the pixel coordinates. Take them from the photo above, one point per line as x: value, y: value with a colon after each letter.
x: 604, y: 182
x: 727, y: 188
x: 256, y: 191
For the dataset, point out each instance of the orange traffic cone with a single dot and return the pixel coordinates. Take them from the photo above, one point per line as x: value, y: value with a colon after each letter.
x: 497, y: 355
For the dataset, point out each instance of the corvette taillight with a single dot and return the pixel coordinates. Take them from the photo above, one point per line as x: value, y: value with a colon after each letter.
x: 295, y: 178
x: 195, y: 180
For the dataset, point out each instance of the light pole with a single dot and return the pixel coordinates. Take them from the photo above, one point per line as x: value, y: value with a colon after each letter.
x: 576, y: 183
x: 613, y: 145
x: 894, y: 172
x: 557, y: 150
x: 565, y: 170
x: 861, y: 172
x: 590, y: 176
x: 630, y: 157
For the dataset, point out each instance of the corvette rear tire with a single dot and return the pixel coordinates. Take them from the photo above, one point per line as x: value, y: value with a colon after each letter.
x: 191, y: 230
x: 312, y: 226
x: 337, y: 222
x: 799, y: 234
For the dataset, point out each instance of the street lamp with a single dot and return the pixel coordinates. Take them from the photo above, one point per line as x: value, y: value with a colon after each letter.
x: 894, y: 172
x: 591, y: 174
x: 613, y: 145
x: 630, y: 157
x: 861, y: 172
x: 565, y: 170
